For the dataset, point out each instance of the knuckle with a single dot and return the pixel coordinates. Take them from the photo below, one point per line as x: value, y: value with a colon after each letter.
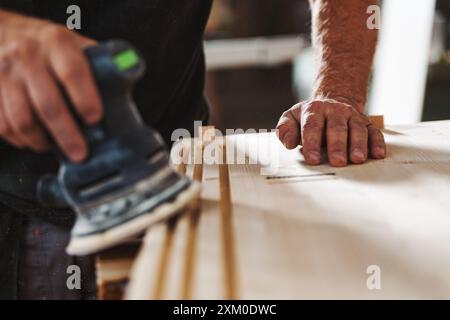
x: 284, y: 119
x: 375, y: 132
x: 56, y: 34
x: 70, y: 73
x: 357, y: 125
x: 295, y: 109
x: 342, y: 109
x: 358, y: 130
x: 4, y: 131
x: 49, y: 111
x: 377, y: 142
x: 285, y: 114
x: 313, y: 123
x: 338, y: 127
x: 316, y: 107
x: 24, y: 125
x: 337, y: 146
x: 297, y: 106
x: 22, y: 49
x: 311, y: 126
x: 6, y: 63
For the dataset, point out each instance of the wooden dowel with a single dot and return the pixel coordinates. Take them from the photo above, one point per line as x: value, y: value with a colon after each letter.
x: 228, y: 243
x: 161, y: 275
x: 190, y: 254
x: 161, y: 278
x: 206, y: 134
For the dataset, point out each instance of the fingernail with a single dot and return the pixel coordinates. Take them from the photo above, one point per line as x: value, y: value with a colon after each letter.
x: 93, y: 117
x: 339, y: 157
x: 314, y: 157
x: 77, y: 153
x: 286, y: 140
x: 358, y: 154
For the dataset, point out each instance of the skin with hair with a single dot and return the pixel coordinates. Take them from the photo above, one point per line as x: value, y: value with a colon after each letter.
x: 37, y: 56
x: 333, y: 118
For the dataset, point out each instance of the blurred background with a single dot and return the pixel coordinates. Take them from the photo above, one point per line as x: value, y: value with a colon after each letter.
x: 260, y: 61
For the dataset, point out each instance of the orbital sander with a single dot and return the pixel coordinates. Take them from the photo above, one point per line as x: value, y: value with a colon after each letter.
x: 126, y: 184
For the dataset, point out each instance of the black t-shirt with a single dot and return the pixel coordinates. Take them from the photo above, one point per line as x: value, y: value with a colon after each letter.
x: 167, y: 32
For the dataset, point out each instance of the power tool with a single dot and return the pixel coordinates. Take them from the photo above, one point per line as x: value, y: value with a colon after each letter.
x: 126, y: 184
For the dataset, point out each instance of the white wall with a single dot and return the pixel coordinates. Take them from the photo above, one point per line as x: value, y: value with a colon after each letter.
x: 402, y: 60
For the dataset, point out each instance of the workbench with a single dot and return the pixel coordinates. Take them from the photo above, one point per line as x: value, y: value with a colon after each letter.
x: 274, y: 228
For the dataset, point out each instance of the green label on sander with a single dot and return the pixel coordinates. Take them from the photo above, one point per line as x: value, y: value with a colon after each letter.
x: 126, y: 60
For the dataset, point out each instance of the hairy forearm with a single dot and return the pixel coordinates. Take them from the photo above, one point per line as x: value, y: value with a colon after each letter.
x: 345, y: 49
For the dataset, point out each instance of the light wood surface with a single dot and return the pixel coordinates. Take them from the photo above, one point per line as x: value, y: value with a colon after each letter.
x: 113, y: 269
x: 301, y: 232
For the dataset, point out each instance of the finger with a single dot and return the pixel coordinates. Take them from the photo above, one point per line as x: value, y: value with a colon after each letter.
x: 71, y: 68
x: 376, y: 143
x: 337, y: 135
x: 55, y: 115
x: 83, y: 41
x: 288, y: 128
x: 358, y: 140
x: 21, y: 118
x: 6, y: 132
x: 312, y: 131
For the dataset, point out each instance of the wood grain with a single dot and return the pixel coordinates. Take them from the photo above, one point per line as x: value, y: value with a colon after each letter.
x: 313, y: 232
x: 193, y: 214
x: 155, y: 287
x: 228, y: 240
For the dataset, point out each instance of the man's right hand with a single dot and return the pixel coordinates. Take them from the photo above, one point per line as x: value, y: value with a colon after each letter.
x: 37, y: 59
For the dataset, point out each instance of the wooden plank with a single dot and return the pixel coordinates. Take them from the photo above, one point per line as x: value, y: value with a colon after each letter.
x: 144, y: 276
x: 193, y: 214
x: 316, y: 238
x: 113, y: 268
x: 312, y: 232
x: 163, y: 265
x: 149, y: 274
x: 228, y: 243
x: 155, y: 287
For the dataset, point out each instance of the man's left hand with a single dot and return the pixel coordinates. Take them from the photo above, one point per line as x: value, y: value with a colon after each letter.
x: 346, y: 133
